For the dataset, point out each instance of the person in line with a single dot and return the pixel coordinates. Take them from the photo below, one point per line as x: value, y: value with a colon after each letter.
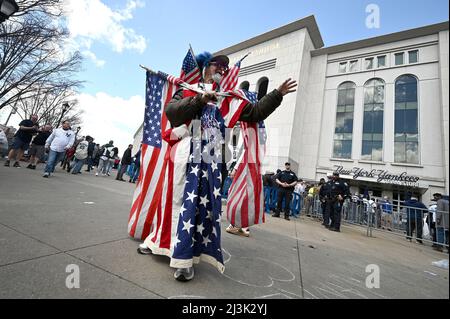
x: 57, y: 143
x: 105, y: 155
x: 442, y: 210
x: 414, y: 217
x: 136, y: 167
x: 22, y: 139
x: 126, y: 160
x: 37, y: 150
x: 81, y: 154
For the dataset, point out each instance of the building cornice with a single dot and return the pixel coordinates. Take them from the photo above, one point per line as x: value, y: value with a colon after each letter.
x: 388, y: 38
x: 309, y: 23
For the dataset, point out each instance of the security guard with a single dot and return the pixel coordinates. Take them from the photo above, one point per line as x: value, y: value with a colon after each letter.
x: 286, y: 181
x: 325, y: 198
x: 339, y: 190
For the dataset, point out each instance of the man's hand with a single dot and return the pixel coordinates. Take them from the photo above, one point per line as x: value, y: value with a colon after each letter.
x: 287, y: 87
x: 209, y: 96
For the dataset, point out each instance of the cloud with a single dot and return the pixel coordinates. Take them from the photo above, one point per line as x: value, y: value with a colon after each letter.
x: 108, y: 117
x: 89, y: 54
x: 92, y: 20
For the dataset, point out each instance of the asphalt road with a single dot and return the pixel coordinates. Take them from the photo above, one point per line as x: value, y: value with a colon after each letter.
x: 47, y: 225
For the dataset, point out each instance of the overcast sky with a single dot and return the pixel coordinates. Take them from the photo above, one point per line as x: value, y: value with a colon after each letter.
x: 116, y: 36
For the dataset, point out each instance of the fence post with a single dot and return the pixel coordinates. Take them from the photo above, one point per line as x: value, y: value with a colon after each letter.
x: 369, y: 223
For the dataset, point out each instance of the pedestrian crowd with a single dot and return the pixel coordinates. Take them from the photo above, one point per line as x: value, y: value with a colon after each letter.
x: 50, y: 146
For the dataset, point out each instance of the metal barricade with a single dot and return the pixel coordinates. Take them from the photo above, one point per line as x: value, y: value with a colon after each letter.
x: 413, y: 223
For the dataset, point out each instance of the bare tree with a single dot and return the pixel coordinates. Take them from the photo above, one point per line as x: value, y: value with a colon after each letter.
x: 32, y: 57
x: 48, y: 104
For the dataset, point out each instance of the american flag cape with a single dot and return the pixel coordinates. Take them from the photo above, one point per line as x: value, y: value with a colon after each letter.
x: 177, y: 204
x: 245, y: 197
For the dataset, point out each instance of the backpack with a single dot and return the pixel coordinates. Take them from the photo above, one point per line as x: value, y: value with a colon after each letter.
x: 106, y: 151
x: 82, y: 150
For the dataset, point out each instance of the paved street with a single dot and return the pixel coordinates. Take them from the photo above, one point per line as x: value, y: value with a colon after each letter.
x: 48, y: 224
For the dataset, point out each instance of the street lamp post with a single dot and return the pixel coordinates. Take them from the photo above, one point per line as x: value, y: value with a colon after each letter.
x: 7, y: 9
x: 13, y: 111
x: 64, y: 110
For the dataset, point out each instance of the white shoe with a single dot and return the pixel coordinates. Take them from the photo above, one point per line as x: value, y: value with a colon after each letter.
x: 184, y: 274
x: 96, y: 174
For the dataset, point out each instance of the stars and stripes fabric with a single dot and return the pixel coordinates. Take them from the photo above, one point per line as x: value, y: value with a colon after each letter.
x: 147, y: 199
x: 190, y: 73
x: 230, y: 79
x: 245, y: 197
x: 198, y: 231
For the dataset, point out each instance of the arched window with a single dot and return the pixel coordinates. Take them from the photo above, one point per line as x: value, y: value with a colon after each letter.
x: 343, y: 133
x: 406, y: 140
x: 262, y: 86
x: 372, y: 143
x: 244, y: 85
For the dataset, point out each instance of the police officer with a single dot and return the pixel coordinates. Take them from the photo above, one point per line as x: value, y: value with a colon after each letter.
x: 286, y: 181
x: 339, y: 190
x: 325, y: 198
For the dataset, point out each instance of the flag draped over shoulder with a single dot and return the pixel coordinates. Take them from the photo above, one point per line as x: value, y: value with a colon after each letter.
x: 176, y: 206
x: 246, y: 197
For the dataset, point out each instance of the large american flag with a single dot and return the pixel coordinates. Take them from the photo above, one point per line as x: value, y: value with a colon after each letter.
x: 147, y: 196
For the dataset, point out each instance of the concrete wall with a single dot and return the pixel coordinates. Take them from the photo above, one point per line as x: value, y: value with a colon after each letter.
x: 443, y: 74
x: 288, y: 50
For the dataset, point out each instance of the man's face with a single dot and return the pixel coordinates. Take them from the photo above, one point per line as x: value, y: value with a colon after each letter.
x: 66, y: 125
x: 34, y: 118
x: 288, y: 167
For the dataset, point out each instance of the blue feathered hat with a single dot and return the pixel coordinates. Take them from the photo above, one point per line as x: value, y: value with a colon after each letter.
x: 203, y: 59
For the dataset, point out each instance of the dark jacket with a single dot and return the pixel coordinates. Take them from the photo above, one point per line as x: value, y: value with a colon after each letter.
x: 126, y: 158
x: 91, y: 148
x: 137, y: 160
x: 41, y: 138
x: 415, y: 209
x: 180, y: 110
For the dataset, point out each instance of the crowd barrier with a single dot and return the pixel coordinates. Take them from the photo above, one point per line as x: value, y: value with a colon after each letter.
x: 416, y: 224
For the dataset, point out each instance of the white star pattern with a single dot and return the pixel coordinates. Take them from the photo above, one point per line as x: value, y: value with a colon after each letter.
x: 216, y: 192
x: 200, y: 229
x: 191, y: 196
x: 187, y: 226
x: 213, y: 166
x: 204, y: 200
x: 206, y: 241
x: 195, y: 170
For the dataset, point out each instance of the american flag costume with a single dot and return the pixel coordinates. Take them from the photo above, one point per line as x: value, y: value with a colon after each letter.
x: 177, y: 203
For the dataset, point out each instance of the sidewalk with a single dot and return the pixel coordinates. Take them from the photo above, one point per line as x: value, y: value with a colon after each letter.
x: 48, y: 224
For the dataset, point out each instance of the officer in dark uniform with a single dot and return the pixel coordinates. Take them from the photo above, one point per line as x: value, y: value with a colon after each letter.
x: 339, y: 190
x: 286, y: 181
x: 325, y: 198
